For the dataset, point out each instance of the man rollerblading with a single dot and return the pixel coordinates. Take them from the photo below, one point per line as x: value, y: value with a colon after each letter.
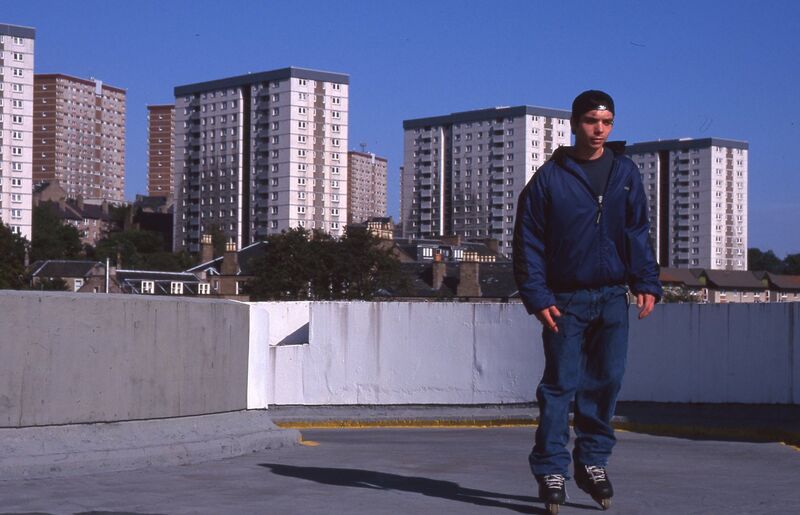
x: 580, y: 245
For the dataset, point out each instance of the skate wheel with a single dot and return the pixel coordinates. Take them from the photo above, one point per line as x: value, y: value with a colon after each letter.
x: 552, y: 509
x: 605, y: 503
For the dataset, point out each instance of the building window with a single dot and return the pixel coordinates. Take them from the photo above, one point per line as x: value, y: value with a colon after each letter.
x: 204, y: 289
x: 148, y: 287
x: 176, y: 288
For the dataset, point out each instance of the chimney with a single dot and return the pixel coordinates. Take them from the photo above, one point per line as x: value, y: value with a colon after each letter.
x: 469, y: 284
x: 103, y: 206
x: 230, y: 260
x: 438, y: 270
x: 79, y: 203
x: 206, y: 248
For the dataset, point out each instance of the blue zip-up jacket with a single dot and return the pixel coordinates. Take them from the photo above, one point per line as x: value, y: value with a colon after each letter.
x: 566, y: 239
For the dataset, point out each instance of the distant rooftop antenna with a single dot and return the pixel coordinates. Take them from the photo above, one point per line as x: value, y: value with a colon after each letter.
x: 363, y: 147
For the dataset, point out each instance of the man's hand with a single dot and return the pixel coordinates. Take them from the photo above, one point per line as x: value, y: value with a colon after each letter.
x: 546, y: 317
x: 645, y: 302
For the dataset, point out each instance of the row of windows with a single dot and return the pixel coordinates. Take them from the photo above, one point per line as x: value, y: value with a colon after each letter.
x: 14, y: 39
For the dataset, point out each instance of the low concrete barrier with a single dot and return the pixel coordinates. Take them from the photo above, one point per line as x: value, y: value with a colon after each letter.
x: 109, y: 382
x: 71, y: 358
x: 459, y: 353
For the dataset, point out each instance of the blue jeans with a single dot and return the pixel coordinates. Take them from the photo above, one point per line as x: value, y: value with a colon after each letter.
x: 584, y: 361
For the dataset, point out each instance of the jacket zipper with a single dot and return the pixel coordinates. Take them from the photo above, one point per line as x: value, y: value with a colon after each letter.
x: 599, y: 209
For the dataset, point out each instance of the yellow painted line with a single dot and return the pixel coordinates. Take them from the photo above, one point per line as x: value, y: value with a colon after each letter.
x: 309, y: 443
x: 757, y: 435
x: 399, y: 424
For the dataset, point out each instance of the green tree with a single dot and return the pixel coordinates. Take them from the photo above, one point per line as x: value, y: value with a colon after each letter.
x: 679, y: 294
x: 12, y: 264
x: 791, y: 264
x: 365, y: 265
x: 299, y: 265
x: 53, y: 239
x: 284, y: 273
x: 764, y: 261
x: 141, y: 250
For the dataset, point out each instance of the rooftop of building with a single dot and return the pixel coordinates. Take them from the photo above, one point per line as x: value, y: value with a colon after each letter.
x: 161, y: 107
x: 485, y: 114
x: 683, y: 144
x: 741, y: 279
x: 75, y: 209
x: 266, y: 76
x: 153, y: 275
x: 425, y: 469
x: 89, y: 82
x: 18, y: 31
x: 496, y: 280
x: 245, y: 259
x: 63, y: 268
x: 367, y: 155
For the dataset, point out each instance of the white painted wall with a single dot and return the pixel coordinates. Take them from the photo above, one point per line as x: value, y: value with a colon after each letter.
x: 458, y: 353
x: 288, y: 321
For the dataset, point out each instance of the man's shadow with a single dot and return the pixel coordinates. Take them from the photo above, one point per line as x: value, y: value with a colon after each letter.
x: 421, y: 485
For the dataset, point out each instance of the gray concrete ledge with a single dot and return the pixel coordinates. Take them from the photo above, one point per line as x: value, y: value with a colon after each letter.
x: 68, y: 450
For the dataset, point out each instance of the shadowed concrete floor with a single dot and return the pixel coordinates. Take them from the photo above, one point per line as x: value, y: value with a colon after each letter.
x: 429, y: 471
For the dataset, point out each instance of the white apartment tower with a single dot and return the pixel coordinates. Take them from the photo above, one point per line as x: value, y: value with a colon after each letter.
x: 697, y: 201
x: 462, y: 173
x: 261, y: 153
x: 16, y: 127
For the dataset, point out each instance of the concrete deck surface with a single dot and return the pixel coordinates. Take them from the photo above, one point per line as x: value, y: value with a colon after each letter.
x: 429, y: 471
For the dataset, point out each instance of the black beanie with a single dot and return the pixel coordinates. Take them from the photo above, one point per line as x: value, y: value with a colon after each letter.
x: 591, y: 100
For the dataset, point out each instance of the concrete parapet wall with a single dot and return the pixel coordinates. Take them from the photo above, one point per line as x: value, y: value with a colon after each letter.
x: 75, y: 358
x: 410, y: 352
x: 458, y: 353
x: 716, y: 353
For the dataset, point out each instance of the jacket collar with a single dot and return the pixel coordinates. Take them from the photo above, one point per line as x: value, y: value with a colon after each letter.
x: 617, y: 147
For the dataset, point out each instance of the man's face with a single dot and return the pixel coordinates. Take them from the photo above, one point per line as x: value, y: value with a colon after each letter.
x: 593, y: 129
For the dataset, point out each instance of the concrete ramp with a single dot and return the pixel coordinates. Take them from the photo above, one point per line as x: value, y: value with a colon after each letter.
x: 76, y: 449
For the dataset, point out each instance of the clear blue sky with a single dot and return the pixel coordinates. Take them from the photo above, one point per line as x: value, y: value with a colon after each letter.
x: 727, y: 69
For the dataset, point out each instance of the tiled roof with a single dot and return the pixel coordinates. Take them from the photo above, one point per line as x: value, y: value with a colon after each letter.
x: 246, y: 258
x: 496, y: 280
x: 680, y: 276
x: 63, y: 268
x: 784, y: 282
x: 738, y: 279
x: 152, y: 275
